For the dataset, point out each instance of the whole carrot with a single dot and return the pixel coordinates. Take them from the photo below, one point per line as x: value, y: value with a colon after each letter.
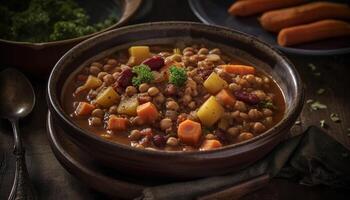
x: 252, y: 7
x: 312, y: 32
x: 277, y: 19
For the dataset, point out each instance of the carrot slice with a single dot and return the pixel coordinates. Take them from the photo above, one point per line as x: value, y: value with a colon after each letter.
x: 238, y: 69
x: 147, y: 112
x: 189, y: 132
x: 84, y: 109
x: 210, y: 144
x: 117, y: 123
x: 225, y: 98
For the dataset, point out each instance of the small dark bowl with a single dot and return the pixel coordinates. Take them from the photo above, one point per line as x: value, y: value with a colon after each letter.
x: 178, y: 164
x: 39, y: 58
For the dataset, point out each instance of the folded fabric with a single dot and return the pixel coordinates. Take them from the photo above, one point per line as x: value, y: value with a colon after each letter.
x: 313, y: 158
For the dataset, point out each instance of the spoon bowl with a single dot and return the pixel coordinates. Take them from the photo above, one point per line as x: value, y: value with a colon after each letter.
x: 17, y: 95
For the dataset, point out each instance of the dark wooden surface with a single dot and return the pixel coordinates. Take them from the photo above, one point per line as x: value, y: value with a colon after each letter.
x: 51, y: 181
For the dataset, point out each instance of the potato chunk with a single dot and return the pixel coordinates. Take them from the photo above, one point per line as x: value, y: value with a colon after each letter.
x: 128, y: 105
x: 214, y: 83
x: 107, y: 97
x: 210, y: 112
x: 140, y: 53
x: 92, y: 82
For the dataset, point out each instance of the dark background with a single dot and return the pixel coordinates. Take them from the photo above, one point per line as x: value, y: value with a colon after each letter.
x: 51, y: 181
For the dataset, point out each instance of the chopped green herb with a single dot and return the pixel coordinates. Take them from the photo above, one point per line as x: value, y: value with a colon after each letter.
x: 178, y: 76
x: 297, y: 122
x: 312, y: 66
x: 323, y: 123
x: 335, y: 117
x: 143, y: 75
x: 267, y: 104
x: 317, y: 106
x: 321, y: 91
x: 309, y: 101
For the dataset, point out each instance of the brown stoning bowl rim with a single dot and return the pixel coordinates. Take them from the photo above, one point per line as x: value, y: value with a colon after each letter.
x: 279, y: 128
x: 129, y: 9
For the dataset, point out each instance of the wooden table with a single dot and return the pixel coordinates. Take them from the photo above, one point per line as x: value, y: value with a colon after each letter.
x: 53, y: 182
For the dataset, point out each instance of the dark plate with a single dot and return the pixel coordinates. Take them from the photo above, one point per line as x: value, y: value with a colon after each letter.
x: 215, y: 12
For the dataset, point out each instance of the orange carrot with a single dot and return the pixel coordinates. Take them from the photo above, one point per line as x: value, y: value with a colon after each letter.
x: 210, y: 144
x: 252, y: 7
x: 311, y: 32
x: 238, y: 69
x: 117, y: 123
x: 84, y: 109
x: 278, y: 19
x: 147, y: 112
x: 225, y: 98
x: 189, y: 132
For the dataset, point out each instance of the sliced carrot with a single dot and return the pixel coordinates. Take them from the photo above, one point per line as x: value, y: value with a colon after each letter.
x: 84, y: 109
x: 189, y: 132
x: 238, y: 69
x: 117, y: 123
x: 210, y: 144
x: 147, y: 112
x: 225, y: 98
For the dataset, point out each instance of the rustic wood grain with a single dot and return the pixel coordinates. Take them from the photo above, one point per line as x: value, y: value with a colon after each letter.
x: 52, y: 182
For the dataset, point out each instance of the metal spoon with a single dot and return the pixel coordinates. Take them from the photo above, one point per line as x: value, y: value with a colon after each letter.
x: 17, y: 100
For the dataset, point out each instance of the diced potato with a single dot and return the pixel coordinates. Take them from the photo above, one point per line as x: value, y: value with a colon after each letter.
x: 214, y: 83
x: 107, y: 97
x: 140, y: 53
x: 210, y: 112
x: 92, y: 82
x: 128, y: 105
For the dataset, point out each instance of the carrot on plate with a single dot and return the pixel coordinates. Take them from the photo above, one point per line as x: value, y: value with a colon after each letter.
x: 117, y: 123
x: 225, y: 98
x: 147, y: 112
x: 84, y: 108
x: 210, y: 144
x: 238, y: 69
x: 189, y: 132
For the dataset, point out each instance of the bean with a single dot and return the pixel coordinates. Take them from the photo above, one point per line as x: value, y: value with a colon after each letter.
x: 143, y: 98
x: 159, y: 99
x: 107, y: 67
x: 250, y: 78
x: 153, y: 91
x: 135, y: 135
x: 192, y: 105
x: 94, y: 70
x: 101, y: 75
x: 260, y: 94
x: 81, y: 77
x: 116, y: 75
x: 113, y: 109
x: 254, y: 114
x: 172, y: 141
x: 203, y: 51
x: 171, y: 114
x: 125, y: 78
x: 244, y: 116
x: 234, y: 87
x: 139, y: 146
x: 268, y: 121
x: 187, y: 49
x: 130, y: 91
x: 165, y: 124
x: 112, y: 62
x: 170, y: 90
x: 159, y: 140
x: 188, y: 53
x: 137, y: 121
x: 172, y: 105
x: 258, y: 81
x: 98, y: 113
x: 215, y: 51
x: 258, y: 127
x: 210, y: 136
x: 213, y: 58
x: 240, y: 105
x: 155, y: 62
x: 175, y: 57
x: 245, y: 136
x: 246, y: 97
x: 97, y: 64
x: 143, y: 87
x: 233, y: 131
x: 95, y: 121
x: 267, y: 112
x: 108, y: 79
x: 186, y: 98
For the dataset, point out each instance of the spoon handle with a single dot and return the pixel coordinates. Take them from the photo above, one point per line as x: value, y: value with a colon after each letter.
x: 22, y: 188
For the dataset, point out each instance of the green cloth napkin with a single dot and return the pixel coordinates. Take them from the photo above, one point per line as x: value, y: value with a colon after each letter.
x: 312, y: 158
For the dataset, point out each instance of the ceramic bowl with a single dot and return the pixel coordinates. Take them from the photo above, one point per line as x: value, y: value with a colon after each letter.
x: 180, y: 165
x: 39, y: 58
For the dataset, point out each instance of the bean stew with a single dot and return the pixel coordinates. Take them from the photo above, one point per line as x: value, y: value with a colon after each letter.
x: 165, y: 98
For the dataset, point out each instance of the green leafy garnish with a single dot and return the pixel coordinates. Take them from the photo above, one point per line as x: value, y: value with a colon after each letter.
x: 143, y: 75
x: 317, y: 106
x: 178, y: 76
x: 323, y: 123
x: 335, y: 117
x: 267, y: 104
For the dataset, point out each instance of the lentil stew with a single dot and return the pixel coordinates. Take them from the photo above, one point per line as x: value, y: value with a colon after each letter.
x: 166, y: 98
